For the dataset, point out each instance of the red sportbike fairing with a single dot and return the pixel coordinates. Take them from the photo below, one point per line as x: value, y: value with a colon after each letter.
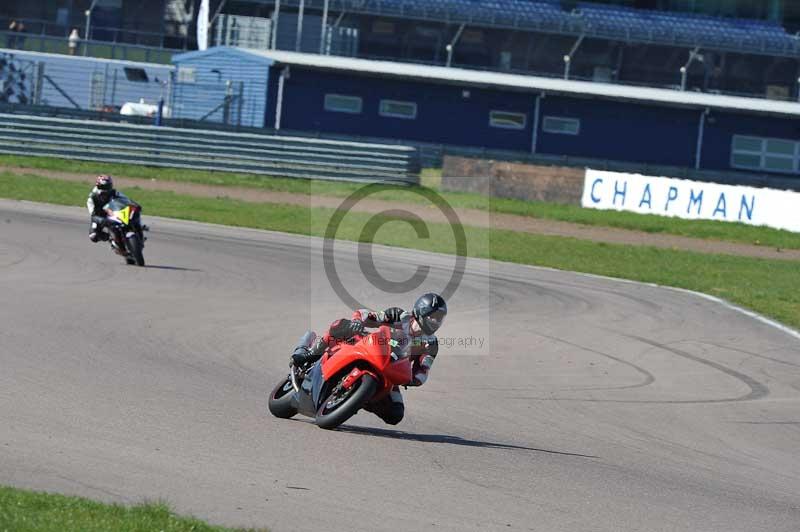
x: 347, y: 377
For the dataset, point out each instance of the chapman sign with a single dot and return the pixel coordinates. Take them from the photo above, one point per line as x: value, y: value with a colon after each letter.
x: 691, y: 199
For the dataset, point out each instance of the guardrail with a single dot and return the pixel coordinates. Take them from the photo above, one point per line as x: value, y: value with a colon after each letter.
x: 199, y: 149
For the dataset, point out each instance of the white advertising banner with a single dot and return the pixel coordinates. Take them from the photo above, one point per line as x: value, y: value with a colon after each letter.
x: 694, y: 200
x: 202, y: 25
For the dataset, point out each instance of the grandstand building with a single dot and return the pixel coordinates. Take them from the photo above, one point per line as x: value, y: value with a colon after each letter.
x: 498, y: 111
x: 680, y: 84
x: 718, y: 46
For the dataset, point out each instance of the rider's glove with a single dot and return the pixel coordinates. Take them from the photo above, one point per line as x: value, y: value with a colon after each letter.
x: 356, y: 328
x: 301, y: 355
x: 392, y: 314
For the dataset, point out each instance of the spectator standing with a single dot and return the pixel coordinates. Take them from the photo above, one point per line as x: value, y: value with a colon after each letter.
x: 11, y: 41
x: 74, y: 39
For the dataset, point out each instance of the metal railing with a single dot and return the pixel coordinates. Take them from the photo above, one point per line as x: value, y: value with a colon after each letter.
x: 101, y: 49
x: 115, y: 34
x: 207, y: 150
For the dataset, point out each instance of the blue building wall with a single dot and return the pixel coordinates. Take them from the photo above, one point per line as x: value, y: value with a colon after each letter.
x: 195, y: 99
x: 445, y: 113
x: 656, y: 134
x: 458, y: 115
x: 622, y: 131
x: 75, y: 75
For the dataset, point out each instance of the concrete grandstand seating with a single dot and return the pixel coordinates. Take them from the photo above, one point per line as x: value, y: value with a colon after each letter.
x: 609, y: 21
x: 686, y: 28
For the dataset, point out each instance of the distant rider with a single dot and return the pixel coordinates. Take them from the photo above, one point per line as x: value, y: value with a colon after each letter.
x: 414, y: 333
x: 101, y: 194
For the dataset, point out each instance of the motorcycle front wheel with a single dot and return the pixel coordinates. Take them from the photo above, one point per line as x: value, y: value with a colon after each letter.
x: 135, y: 249
x: 342, y: 403
x: 281, y: 403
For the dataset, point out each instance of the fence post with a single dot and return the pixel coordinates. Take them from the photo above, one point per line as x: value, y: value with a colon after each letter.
x: 114, y: 87
x: 275, y: 15
x: 37, y: 89
x: 160, y: 113
x: 240, y: 104
x: 226, y: 110
x: 171, y: 93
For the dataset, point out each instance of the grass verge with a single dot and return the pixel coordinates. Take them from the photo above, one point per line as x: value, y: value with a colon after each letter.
x: 766, y: 286
x: 706, y: 229
x: 30, y: 511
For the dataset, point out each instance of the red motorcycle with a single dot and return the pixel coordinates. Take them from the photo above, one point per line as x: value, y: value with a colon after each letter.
x: 346, y: 378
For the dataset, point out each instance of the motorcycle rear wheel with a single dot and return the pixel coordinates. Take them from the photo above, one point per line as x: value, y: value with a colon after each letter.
x: 281, y: 402
x: 336, y: 410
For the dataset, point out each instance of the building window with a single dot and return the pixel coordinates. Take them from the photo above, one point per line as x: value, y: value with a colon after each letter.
x: 561, y: 125
x: 772, y: 155
x: 396, y: 109
x: 507, y: 120
x: 187, y: 75
x: 339, y: 103
x: 383, y: 27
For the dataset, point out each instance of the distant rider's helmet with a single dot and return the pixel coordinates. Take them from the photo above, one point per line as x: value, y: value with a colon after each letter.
x: 104, y: 182
x: 429, y: 311
x: 105, y: 189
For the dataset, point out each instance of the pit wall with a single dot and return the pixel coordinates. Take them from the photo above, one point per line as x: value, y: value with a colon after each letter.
x: 554, y: 184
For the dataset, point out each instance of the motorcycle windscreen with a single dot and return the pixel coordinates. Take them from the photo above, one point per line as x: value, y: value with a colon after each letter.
x: 119, y: 210
x: 117, y: 204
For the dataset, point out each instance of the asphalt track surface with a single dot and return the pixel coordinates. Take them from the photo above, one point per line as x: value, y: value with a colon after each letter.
x: 594, y: 405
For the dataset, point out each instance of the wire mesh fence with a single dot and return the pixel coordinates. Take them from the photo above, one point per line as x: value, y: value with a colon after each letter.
x: 120, y: 87
x: 223, y: 102
x: 80, y: 82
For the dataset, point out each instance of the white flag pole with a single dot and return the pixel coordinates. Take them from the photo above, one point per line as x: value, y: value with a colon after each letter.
x: 202, y: 25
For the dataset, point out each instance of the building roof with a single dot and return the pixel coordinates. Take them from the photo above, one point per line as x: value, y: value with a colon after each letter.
x: 518, y: 82
x: 43, y: 56
x: 225, y: 52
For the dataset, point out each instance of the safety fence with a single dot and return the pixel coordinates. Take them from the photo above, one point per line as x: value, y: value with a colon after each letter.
x: 85, y: 48
x: 80, y: 82
x: 126, y: 87
x: 207, y: 149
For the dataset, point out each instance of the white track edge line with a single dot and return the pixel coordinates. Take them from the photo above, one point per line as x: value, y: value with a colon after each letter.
x: 727, y: 304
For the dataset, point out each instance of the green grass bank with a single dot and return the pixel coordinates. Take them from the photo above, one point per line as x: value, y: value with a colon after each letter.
x: 30, y: 511
x: 731, y: 232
